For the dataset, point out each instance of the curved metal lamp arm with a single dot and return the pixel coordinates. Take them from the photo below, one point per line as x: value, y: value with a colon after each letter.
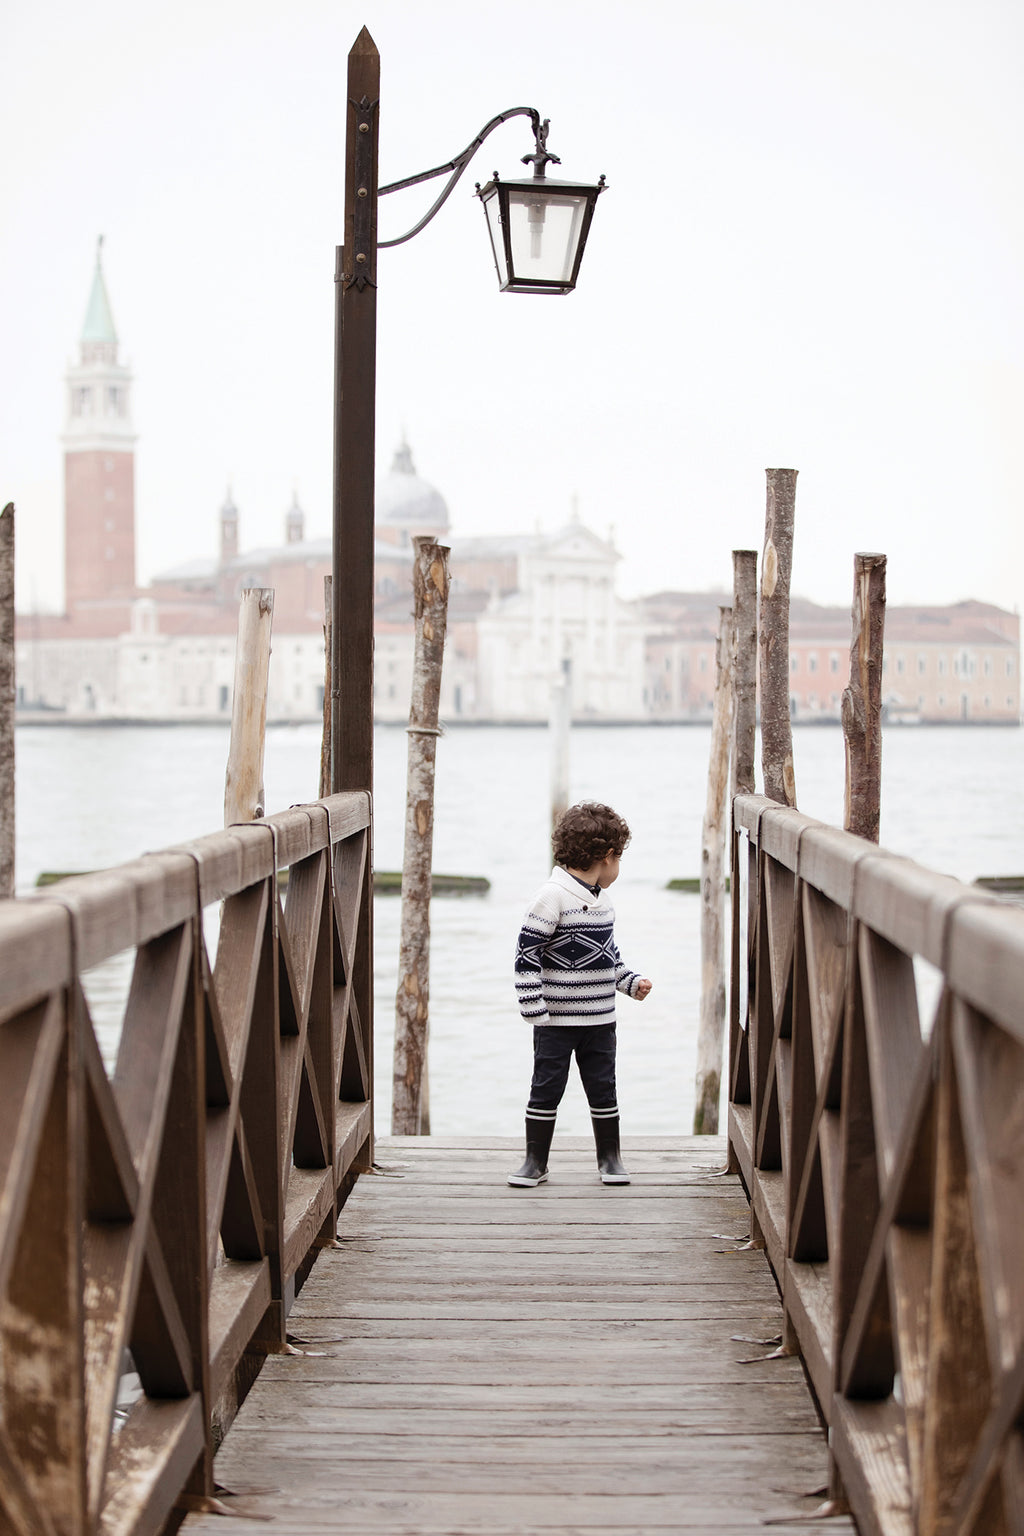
x: 458, y: 166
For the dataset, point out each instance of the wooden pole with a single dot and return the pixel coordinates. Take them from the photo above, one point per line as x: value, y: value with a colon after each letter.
x: 862, y: 700
x: 744, y: 682
x: 325, y: 739
x: 412, y: 1003
x: 7, y: 701
x: 243, y: 786
x: 776, y: 568
x: 355, y: 384
x: 711, y: 1031
x: 560, y: 726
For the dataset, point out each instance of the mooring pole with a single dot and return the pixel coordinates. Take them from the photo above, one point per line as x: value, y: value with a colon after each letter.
x: 325, y: 736
x: 776, y: 568
x: 560, y: 729
x: 711, y: 1029
x: 862, y: 700
x: 412, y: 1002
x: 243, y: 784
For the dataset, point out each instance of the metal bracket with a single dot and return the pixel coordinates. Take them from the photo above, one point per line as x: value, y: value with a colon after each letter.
x: 360, y: 268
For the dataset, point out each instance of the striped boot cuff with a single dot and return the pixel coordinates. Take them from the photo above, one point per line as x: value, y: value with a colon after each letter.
x: 605, y: 1114
x: 540, y: 1114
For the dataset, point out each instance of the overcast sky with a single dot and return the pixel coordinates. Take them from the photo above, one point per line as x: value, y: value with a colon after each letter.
x: 810, y: 255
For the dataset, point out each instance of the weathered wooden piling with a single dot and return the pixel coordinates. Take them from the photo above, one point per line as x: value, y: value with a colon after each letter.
x: 7, y: 701
x: 776, y: 568
x: 325, y: 741
x: 744, y: 675
x: 862, y: 700
x: 711, y: 1030
x: 560, y: 727
x: 412, y: 1002
x: 243, y: 787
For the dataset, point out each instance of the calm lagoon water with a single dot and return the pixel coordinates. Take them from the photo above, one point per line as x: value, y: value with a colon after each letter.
x: 90, y: 797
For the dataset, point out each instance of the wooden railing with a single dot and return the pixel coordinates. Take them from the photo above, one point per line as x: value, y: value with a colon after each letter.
x: 172, y: 1208
x: 882, y: 1146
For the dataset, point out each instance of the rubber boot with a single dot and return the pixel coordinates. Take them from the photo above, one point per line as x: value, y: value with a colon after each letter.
x: 538, y: 1144
x: 606, y: 1137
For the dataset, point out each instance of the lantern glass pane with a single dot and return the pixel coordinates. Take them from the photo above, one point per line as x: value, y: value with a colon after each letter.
x: 492, y: 207
x: 545, y: 233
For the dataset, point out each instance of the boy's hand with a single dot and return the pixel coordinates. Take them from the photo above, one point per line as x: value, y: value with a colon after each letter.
x: 643, y: 986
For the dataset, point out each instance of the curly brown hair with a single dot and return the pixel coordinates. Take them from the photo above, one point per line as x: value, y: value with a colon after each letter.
x: 586, y: 832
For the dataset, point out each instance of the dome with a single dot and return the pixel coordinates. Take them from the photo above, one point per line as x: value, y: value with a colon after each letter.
x: 405, y: 502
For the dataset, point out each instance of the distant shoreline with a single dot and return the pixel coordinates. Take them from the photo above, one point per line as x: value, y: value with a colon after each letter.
x: 51, y: 718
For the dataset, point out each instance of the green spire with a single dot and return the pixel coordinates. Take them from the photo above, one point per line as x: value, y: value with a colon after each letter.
x: 99, y: 322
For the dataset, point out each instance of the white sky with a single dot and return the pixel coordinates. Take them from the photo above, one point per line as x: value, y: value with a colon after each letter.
x: 810, y: 254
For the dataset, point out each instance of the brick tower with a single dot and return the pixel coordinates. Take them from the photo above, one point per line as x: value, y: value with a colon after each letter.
x: 99, y: 468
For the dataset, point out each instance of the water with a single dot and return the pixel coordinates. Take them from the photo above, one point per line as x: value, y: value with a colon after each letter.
x: 90, y: 797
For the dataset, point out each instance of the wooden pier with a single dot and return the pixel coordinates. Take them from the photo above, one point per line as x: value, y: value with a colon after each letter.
x: 558, y: 1360
x: 567, y: 1359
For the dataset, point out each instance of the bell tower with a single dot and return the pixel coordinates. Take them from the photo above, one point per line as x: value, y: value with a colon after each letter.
x: 99, y: 464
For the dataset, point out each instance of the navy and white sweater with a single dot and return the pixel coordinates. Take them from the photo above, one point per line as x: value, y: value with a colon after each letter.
x: 568, y: 966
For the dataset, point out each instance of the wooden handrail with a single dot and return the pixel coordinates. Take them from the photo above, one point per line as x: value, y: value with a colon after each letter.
x: 883, y: 1154
x: 173, y: 1208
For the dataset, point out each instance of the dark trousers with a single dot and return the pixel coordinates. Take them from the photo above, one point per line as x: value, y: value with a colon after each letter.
x: 553, y: 1049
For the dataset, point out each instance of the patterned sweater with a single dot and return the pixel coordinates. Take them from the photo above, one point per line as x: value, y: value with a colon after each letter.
x: 568, y: 966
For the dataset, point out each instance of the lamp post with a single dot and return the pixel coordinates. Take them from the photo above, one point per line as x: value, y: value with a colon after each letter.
x: 538, y: 230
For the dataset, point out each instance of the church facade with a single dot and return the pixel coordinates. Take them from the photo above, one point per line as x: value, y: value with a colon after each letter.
x: 526, y: 611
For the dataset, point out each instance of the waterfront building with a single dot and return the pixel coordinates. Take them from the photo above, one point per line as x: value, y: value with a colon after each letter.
x: 526, y: 609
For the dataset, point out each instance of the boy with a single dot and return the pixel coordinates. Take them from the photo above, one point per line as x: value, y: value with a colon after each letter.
x: 567, y: 972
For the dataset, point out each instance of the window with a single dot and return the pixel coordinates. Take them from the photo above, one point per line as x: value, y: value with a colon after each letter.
x: 900, y: 665
x: 922, y: 665
x: 833, y: 662
x: 812, y: 661
x: 987, y: 666
x: 942, y: 666
x: 794, y: 662
x: 1009, y: 666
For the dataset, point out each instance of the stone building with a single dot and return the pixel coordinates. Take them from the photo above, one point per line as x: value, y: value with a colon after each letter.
x: 525, y: 607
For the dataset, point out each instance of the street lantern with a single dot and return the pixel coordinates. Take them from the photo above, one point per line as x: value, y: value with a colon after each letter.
x: 539, y: 227
x: 538, y: 232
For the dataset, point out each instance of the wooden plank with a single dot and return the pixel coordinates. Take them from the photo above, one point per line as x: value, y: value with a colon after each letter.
x: 149, y: 1461
x: 309, y: 1200
x: 35, y: 939
x: 239, y: 1296
x: 352, y: 1124
x: 986, y: 961
x: 870, y: 1451
x: 349, y: 813
x: 438, y: 1348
